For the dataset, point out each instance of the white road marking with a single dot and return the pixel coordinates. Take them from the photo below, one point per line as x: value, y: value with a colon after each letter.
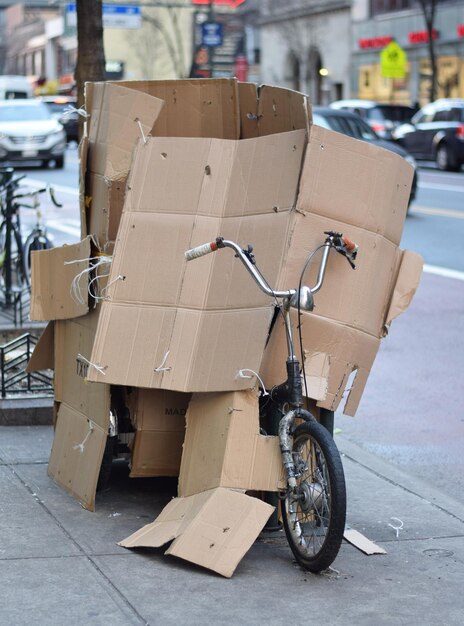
x: 70, y: 227
x: 443, y: 271
x: 438, y: 212
x: 32, y: 182
x: 441, y: 187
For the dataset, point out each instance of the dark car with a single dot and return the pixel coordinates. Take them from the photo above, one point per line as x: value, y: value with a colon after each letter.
x: 352, y: 125
x: 63, y: 109
x: 436, y: 133
x: 382, y: 118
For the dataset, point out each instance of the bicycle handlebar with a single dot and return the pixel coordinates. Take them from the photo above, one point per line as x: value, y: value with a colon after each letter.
x: 335, y: 240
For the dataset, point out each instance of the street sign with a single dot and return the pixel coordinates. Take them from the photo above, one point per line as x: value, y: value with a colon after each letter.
x: 114, y: 16
x: 230, y: 3
x: 212, y: 34
x: 393, y: 61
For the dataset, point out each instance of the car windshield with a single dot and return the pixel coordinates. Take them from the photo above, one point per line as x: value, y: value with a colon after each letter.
x: 347, y: 125
x: 31, y: 113
x: 394, y: 113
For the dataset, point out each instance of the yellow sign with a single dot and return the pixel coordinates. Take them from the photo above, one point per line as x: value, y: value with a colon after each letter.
x: 393, y: 61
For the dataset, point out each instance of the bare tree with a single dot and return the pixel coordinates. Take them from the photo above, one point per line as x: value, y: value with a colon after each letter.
x: 90, y: 51
x: 428, y: 8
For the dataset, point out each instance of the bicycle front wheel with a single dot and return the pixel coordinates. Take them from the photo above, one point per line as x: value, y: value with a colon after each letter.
x: 13, y: 277
x: 314, y: 516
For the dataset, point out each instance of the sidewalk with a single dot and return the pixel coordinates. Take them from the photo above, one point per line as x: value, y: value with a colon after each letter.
x: 59, y: 564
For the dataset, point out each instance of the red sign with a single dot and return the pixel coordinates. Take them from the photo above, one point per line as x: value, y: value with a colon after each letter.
x: 375, y: 42
x: 460, y: 30
x: 229, y: 3
x: 421, y: 36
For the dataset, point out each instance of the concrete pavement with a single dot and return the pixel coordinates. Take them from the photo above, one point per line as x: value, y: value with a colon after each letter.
x: 59, y: 564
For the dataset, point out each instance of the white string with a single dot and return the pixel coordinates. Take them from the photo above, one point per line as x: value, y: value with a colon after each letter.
x: 161, y: 367
x: 145, y: 140
x: 99, y: 368
x: 241, y: 374
x: 397, y: 528
x: 119, y: 277
x: 78, y: 293
x: 80, y: 111
x: 80, y: 446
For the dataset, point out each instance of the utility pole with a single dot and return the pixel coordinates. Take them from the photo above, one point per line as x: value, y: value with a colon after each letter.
x: 211, y: 48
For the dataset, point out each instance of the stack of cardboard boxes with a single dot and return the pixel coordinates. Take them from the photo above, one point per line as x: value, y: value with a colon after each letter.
x: 166, y: 166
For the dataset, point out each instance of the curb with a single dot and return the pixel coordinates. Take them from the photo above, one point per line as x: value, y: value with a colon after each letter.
x: 26, y: 412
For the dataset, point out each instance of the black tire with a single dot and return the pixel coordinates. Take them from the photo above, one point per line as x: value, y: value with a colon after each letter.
x: 106, y: 464
x: 445, y: 160
x: 314, y: 523
x: 19, y: 279
x: 35, y: 241
x: 59, y: 162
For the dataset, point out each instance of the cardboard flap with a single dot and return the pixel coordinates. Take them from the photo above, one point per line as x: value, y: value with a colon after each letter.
x: 406, y: 284
x: 281, y: 110
x: 213, y: 529
x: 43, y: 357
x: 76, y: 455
x: 118, y: 118
x: 53, y: 272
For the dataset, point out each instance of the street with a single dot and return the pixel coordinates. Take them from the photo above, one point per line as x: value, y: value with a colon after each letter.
x: 411, y: 411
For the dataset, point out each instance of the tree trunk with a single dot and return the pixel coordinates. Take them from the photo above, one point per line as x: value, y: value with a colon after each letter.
x: 90, y: 51
x: 429, y: 9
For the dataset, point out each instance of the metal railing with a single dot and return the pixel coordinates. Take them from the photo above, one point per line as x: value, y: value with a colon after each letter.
x: 14, y: 357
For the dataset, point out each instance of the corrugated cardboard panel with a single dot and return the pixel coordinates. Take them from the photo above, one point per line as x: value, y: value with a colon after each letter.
x: 194, y: 108
x: 53, y: 272
x: 76, y: 455
x: 104, y: 202
x: 181, y: 350
x: 281, y: 110
x: 248, y: 98
x: 223, y: 447
x: 216, y: 177
x: 410, y: 271
x: 73, y: 345
x: 158, y: 409
x: 43, y: 357
x: 340, y: 352
x: 357, y: 298
x: 162, y: 276
x: 213, y: 529
x: 356, y: 183
x: 83, y: 153
x: 118, y: 118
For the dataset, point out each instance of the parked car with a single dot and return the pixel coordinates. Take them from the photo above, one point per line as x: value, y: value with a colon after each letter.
x: 62, y: 109
x: 29, y: 132
x: 382, y: 118
x: 436, y: 133
x: 352, y: 125
x: 13, y: 87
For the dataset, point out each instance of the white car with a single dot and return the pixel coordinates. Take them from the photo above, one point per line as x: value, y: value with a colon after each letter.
x: 29, y: 132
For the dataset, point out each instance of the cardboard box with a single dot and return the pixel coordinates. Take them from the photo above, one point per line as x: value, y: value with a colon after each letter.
x: 224, y: 448
x: 214, y: 529
x: 104, y: 201
x: 159, y: 419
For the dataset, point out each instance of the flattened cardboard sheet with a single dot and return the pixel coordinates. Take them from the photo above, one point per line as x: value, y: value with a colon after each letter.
x: 338, y: 359
x: 119, y: 117
x: 73, y: 345
x: 223, y: 446
x: 76, y: 455
x: 193, y: 108
x: 43, y: 357
x: 104, y: 202
x: 214, y: 529
x: 410, y: 272
x: 355, y: 183
x: 53, y: 272
x: 361, y: 542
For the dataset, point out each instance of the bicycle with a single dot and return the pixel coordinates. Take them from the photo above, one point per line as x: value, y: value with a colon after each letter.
x: 15, y: 256
x: 313, y: 505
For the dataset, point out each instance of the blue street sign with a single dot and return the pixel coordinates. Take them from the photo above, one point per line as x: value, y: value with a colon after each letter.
x: 114, y: 15
x: 211, y: 34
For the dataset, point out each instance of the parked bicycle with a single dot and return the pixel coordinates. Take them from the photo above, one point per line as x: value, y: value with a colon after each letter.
x: 15, y: 256
x: 314, y: 503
